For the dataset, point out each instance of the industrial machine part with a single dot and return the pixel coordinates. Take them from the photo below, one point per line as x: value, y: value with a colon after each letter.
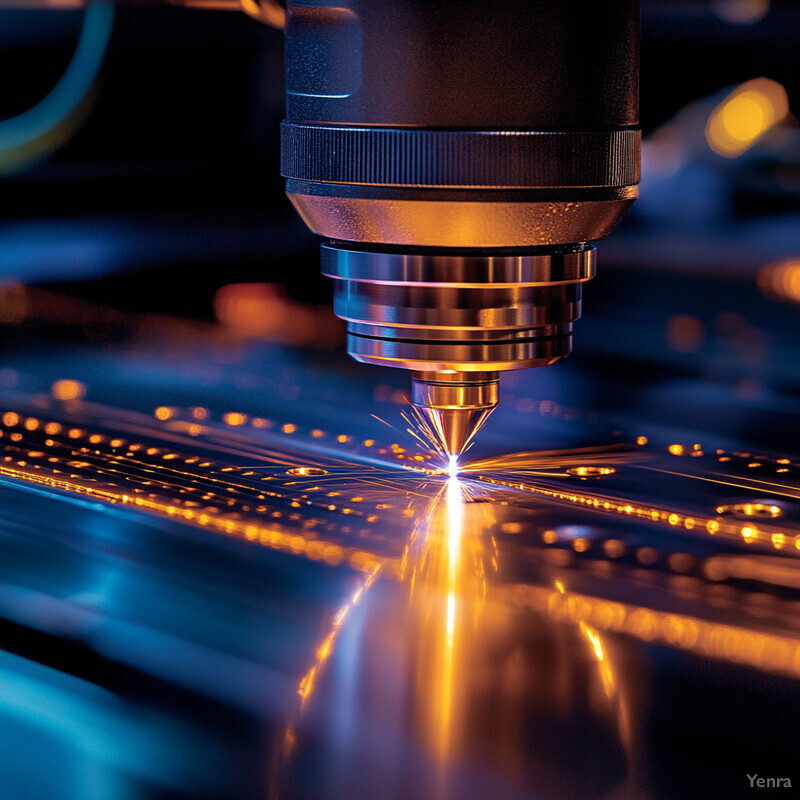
x: 459, y: 158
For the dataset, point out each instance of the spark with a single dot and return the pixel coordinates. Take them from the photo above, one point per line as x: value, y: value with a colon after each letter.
x: 420, y: 429
x: 553, y: 463
x: 452, y: 467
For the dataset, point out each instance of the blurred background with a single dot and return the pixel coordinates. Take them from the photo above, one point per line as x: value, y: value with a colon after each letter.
x: 152, y: 182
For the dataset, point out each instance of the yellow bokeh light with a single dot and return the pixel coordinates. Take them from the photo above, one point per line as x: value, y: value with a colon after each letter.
x: 745, y: 115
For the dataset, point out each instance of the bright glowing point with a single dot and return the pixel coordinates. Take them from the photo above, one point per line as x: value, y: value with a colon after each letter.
x: 452, y: 467
x: 745, y: 116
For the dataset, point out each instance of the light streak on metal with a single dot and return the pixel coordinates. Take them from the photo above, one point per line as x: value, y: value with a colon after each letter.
x: 744, y: 483
x: 308, y: 682
x: 555, y: 463
x: 455, y: 532
x: 765, y: 651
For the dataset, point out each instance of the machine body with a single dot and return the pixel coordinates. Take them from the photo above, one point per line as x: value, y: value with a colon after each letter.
x: 459, y: 158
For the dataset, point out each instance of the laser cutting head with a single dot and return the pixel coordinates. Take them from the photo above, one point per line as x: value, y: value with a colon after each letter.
x: 459, y: 163
x: 456, y: 319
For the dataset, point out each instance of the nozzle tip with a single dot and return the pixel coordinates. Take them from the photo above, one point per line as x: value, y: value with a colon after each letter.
x: 455, y: 405
x: 455, y: 427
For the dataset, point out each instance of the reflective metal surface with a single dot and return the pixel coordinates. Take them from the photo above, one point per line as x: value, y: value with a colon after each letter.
x: 223, y: 578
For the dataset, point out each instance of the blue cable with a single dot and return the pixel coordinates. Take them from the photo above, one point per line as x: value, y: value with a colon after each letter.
x: 34, y: 134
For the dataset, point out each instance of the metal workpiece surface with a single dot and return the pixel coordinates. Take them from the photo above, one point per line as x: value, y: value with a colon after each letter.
x: 222, y: 577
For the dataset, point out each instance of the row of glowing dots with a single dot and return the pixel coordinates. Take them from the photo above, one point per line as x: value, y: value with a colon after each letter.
x: 66, y: 390
x: 708, y: 586
x: 749, y: 533
x: 12, y: 419
x: 615, y: 548
x: 696, y: 451
x: 236, y: 419
x: 714, y: 569
x: 313, y: 549
x: 316, y: 550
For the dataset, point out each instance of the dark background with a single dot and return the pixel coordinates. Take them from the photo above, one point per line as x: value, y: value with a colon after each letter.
x: 181, y: 148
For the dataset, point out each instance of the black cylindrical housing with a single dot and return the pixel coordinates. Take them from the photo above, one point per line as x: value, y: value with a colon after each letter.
x: 460, y: 155
x: 461, y: 123
x: 518, y: 64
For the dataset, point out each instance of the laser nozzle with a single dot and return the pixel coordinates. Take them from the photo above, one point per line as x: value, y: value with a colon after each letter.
x: 456, y: 405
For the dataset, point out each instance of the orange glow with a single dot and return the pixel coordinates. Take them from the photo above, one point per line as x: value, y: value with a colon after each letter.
x: 306, y: 471
x: 182, y: 506
x: 775, y: 571
x: 591, y: 471
x: 614, y: 548
x: 781, y: 280
x: 740, y: 12
x: 606, y: 675
x: 68, y: 390
x: 14, y: 303
x: 745, y: 115
x: 618, y: 506
x: 763, y: 651
x: 676, y: 449
x: 752, y: 510
x: 325, y: 648
x: 263, y: 310
x: 234, y: 419
x: 685, y: 334
x: 647, y: 555
x: 749, y: 533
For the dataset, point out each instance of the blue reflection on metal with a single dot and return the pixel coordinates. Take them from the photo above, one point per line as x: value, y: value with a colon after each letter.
x: 94, y: 742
